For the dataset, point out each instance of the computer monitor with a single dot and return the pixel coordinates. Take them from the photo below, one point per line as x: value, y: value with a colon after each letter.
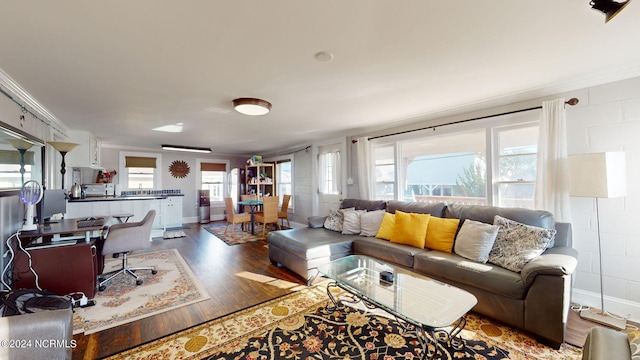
x: 53, y: 202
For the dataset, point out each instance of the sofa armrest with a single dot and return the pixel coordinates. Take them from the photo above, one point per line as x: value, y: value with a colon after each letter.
x: 316, y: 221
x: 54, y: 328
x: 559, y: 261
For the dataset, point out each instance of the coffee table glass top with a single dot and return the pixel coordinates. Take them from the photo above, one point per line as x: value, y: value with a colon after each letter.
x: 416, y: 297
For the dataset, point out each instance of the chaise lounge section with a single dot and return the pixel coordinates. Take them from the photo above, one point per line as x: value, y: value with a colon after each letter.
x: 535, y: 299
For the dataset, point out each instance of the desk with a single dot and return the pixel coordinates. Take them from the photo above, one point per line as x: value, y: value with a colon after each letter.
x: 65, y: 262
x: 253, y: 204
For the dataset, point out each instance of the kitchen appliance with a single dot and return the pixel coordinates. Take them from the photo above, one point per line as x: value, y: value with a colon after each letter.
x: 76, y: 192
x: 96, y: 190
x: 203, y: 206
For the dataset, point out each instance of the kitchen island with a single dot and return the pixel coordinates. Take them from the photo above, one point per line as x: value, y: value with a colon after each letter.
x: 168, y: 208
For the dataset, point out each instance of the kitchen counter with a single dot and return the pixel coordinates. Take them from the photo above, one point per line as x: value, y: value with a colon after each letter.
x: 122, y: 198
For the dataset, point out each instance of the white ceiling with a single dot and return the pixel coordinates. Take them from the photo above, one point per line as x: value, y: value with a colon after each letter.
x: 120, y: 68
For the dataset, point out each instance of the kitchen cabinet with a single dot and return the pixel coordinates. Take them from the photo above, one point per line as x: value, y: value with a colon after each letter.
x: 87, y: 153
x: 260, y: 179
x: 172, y: 211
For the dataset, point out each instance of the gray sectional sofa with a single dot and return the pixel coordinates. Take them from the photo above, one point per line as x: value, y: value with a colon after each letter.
x: 535, y: 299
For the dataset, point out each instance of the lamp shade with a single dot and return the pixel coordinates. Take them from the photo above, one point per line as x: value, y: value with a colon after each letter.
x: 63, y: 147
x: 598, y: 175
x: 19, y: 144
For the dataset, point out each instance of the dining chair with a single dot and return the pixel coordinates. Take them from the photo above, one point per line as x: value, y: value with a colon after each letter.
x: 125, y: 237
x: 269, y: 213
x: 234, y: 218
x: 283, y: 214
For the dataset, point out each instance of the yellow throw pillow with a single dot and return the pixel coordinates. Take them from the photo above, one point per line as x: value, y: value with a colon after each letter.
x: 441, y: 233
x: 410, y: 229
x: 385, y: 231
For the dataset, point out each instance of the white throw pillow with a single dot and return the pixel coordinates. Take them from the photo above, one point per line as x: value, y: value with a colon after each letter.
x: 370, y: 222
x: 517, y: 243
x: 335, y: 219
x: 475, y: 240
x: 351, y: 222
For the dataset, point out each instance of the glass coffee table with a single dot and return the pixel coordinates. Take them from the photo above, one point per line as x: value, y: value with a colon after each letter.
x: 418, y: 302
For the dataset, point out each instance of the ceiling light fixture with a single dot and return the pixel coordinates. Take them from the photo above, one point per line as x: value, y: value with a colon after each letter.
x: 185, y: 148
x: 609, y: 7
x: 251, y: 106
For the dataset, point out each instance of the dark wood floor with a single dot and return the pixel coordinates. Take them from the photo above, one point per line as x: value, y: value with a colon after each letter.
x: 223, y: 271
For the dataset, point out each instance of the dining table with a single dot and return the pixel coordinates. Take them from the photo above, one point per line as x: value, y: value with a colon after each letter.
x: 253, y: 204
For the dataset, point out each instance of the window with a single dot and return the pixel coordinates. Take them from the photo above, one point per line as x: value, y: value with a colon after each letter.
x: 283, y: 178
x: 446, y: 168
x: 212, y: 178
x: 516, y: 161
x: 385, y: 172
x: 492, y: 162
x: 140, y: 172
x: 329, y: 170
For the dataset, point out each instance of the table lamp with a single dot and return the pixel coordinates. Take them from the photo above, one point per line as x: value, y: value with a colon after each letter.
x: 22, y: 146
x: 599, y: 175
x: 63, y: 148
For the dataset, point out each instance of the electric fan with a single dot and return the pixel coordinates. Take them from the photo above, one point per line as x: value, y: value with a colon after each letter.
x: 30, y: 194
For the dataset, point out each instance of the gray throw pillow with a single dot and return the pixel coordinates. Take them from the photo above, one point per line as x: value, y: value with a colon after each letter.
x: 475, y: 240
x: 370, y: 222
x: 351, y: 222
x: 517, y: 243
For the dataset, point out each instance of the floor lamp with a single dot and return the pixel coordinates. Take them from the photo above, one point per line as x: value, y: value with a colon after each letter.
x: 22, y: 146
x: 63, y: 148
x: 599, y: 176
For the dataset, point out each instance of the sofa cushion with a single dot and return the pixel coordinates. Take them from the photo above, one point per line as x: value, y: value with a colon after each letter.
x: 517, y: 243
x: 311, y: 243
x: 441, y: 233
x: 399, y: 254
x: 488, y: 277
x: 335, y: 219
x: 369, y: 205
x: 370, y: 222
x: 385, y: 231
x: 410, y: 229
x: 436, y: 209
x: 475, y: 240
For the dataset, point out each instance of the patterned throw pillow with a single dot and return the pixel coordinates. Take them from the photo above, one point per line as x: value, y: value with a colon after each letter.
x: 335, y: 219
x: 517, y: 243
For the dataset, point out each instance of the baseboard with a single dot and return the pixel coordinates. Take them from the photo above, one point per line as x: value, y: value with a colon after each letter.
x: 621, y: 307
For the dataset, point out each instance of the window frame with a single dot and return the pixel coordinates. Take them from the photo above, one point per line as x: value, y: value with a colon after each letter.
x: 278, y: 177
x: 225, y: 178
x: 491, y: 126
x: 123, y: 179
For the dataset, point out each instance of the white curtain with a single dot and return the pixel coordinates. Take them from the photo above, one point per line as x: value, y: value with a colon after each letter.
x: 552, y: 181
x: 329, y: 170
x: 364, y: 168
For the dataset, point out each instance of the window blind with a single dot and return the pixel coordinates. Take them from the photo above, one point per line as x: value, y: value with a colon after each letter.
x: 140, y: 162
x: 212, y: 167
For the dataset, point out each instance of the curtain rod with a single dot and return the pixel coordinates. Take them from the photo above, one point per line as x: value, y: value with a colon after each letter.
x: 572, y: 102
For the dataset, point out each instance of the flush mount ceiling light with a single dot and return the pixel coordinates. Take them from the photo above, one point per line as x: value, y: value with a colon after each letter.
x: 609, y: 7
x: 185, y: 148
x: 251, y: 106
x: 175, y: 128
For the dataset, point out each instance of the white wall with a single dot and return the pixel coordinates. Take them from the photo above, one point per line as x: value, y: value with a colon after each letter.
x: 608, y: 119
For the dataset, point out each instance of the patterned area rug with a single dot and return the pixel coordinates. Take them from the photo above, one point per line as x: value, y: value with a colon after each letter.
x: 122, y: 301
x: 240, y: 237
x: 298, y: 326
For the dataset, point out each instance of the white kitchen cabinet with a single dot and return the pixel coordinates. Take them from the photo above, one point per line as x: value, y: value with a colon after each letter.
x: 172, y: 211
x: 87, y: 153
